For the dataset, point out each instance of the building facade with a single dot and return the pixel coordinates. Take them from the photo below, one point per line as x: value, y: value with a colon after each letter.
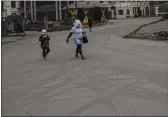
x: 29, y: 9
x: 125, y: 9
x: 34, y: 10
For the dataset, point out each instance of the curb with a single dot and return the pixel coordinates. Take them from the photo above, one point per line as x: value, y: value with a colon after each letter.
x: 100, y: 24
x: 11, y: 41
x: 132, y: 33
x: 69, y: 27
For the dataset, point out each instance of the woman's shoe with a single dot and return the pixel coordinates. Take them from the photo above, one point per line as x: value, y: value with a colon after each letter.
x: 44, y: 58
x: 76, y: 56
x: 83, y: 58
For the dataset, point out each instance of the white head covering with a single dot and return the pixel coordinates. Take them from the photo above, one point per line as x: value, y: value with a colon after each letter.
x: 77, y: 23
x: 44, y: 31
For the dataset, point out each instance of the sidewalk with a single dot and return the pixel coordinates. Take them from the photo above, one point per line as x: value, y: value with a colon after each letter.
x: 10, y: 39
x: 147, y: 30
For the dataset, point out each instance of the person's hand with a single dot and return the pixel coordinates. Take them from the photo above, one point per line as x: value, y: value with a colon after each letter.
x: 67, y: 41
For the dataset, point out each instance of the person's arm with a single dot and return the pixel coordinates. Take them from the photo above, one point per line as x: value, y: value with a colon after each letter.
x: 70, y: 34
x: 40, y: 38
x: 48, y: 37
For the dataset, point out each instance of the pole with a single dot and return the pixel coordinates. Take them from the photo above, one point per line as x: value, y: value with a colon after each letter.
x: 31, y: 5
x: 56, y: 10
x: 60, y: 11
x: 67, y: 9
x: 25, y: 15
x: 137, y: 8
x: 76, y: 6
x: 35, y: 10
x: 2, y: 6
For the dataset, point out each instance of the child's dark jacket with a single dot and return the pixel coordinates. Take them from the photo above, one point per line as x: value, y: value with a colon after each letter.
x: 44, y: 39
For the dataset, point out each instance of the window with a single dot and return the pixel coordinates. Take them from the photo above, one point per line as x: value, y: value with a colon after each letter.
x: 120, y: 12
x: 13, y: 4
x: 109, y: 1
x: 22, y: 4
x: 112, y: 8
x: 128, y: 12
x: 87, y: 2
x: 101, y: 1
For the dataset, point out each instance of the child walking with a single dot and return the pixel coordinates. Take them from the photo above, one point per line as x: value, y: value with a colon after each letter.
x: 44, y: 39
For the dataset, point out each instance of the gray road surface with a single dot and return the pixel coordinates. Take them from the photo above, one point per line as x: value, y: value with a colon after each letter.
x: 118, y: 77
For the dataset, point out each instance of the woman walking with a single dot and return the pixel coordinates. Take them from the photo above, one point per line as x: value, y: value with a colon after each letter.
x: 90, y: 23
x: 78, y: 35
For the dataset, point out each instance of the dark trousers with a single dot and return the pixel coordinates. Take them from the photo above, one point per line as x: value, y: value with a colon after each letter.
x: 90, y: 24
x: 46, y: 50
x: 79, y: 49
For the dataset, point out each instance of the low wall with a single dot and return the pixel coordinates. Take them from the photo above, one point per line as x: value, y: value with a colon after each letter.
x: 56, y: 26
x: 34, y: 26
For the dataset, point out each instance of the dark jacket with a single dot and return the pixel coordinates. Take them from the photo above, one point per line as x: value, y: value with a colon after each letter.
x: 44, y: 39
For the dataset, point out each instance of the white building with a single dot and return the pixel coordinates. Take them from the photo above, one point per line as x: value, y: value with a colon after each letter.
x: 117, y: 10
x: 27, y: 8
x: 10, y: 7
x: 141, y: 8
x: 125, y: 9
x: 132, y: 8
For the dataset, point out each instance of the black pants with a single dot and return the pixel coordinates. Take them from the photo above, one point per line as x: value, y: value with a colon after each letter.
x: 79, y: 49
x: 46, y: 50
x: 90, y: 24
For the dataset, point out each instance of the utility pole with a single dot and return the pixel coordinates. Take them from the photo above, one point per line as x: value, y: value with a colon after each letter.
x: 76, y: 6
x: 60, y: 11
x: 35, y: 10
x: 31, y: 7
x: 67, y: 6
x: 56, y: 9
x: 25, y: 13
x: 2, y: 7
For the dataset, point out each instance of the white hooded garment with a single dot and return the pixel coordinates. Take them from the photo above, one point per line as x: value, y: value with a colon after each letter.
x: 77, y: 30
x: 78, y: 22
